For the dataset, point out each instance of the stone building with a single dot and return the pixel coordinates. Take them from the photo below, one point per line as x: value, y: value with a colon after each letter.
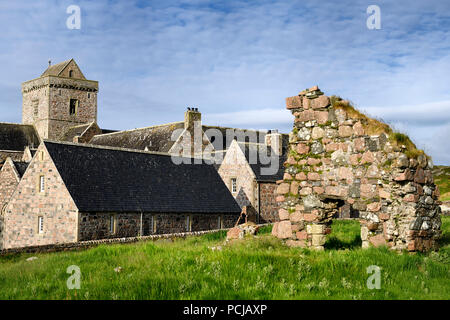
x: 61, y: 98
x: 340, y: 157
x: 228, y: 148
x: 73, y: 192
x: 251, y: 175
x: 61, y: 105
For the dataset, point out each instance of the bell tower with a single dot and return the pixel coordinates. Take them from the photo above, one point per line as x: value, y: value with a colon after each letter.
x: 59, y: 99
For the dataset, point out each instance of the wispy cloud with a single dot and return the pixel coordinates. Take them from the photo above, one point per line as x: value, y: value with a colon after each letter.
x: 238, y: 60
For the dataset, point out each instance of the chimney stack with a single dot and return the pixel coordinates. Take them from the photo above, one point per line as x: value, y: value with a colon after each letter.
x: 274, y: 139
x: 191, y: 116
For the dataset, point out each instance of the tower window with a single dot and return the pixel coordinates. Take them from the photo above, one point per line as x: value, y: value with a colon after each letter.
x: 89, y: 95
x: 73, y: 106
x: 70, y: 73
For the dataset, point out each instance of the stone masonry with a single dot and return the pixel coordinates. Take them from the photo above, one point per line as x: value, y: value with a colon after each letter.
x: 46, y: 102
x: 339, y: 157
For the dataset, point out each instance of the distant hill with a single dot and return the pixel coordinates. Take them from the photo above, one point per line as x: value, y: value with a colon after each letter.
x: 442, y: 179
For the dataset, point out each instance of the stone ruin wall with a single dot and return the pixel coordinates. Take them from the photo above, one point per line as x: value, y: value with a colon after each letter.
x: 334, y: 161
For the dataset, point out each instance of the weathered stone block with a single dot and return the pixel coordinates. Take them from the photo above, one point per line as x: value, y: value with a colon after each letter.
x: 345, y: 131
x: 294, y: 102
x: 283, y: 188
x: 317, y: 133
x: 318, y: 240
x: 320, y: 102
x: 302, y: 148
x: 283, y: 214
x: 302, y: 235
x: 378, y: 240
x: 284, y: 230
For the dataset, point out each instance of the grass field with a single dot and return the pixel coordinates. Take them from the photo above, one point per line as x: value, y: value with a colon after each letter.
x: 259, y: 268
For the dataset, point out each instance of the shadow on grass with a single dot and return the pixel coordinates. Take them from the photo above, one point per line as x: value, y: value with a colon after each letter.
x: 337, y: 244
x: 444, y: 240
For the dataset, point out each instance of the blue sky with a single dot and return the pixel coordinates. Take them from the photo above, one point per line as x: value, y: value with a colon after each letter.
x: 238, y: 60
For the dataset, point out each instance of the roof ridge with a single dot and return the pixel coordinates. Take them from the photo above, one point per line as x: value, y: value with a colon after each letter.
x: 255, y: 130
x: 17, y: 124
x: 158, y: 125
x: 94, y: 146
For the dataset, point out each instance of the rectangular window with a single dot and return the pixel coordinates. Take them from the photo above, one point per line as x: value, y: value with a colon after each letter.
x: 233, y: 185
x: 73, y: 106
x: 153, y: 224
x: 41, y: 184
x: 188, y: 224
x: 89, y: 95
x: 112, y: 224
x: 40, y: 224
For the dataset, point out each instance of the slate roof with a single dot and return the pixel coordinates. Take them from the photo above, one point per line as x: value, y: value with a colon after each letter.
x: 155, y: 138
x: 259, y: 157
x: 15, y: 137
x: 102, y: 179
x: 240, y: 135
x: 56, y: 69
x: 21, y: 167
x: 74, y: 131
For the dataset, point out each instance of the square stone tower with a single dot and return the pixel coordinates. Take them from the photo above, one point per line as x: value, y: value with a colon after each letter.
x: 59, y: 99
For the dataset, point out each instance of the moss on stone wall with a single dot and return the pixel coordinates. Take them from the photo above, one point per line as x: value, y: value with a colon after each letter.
x: 376, y: 127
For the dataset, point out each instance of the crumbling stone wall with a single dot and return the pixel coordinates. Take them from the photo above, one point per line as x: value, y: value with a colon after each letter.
x: 339, y: 157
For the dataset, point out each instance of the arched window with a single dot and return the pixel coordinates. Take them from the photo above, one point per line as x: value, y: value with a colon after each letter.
x: 70, y: 73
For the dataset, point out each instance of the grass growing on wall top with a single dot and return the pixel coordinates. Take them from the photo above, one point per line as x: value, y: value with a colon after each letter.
x: 257, y: 268
x: 377, y: 127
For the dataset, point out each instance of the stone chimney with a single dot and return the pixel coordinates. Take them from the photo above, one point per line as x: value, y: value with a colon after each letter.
x: 191, y: 116
x: 274, y: 140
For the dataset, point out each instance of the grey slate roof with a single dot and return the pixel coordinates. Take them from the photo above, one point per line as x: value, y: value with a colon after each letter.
x: 74, y: 131
x: 223, y: 141
x: 155, y: 138
x: 16, y: 137
x: 21, y: 167
x: 56, y: 69
x: 259, y: 156
x: 103, y: 179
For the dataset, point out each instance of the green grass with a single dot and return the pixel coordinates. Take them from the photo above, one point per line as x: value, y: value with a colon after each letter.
x: 258, y: 268
x: 441, y: 176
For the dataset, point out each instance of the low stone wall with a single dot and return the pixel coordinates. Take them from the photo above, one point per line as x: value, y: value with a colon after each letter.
x: 93, y: 243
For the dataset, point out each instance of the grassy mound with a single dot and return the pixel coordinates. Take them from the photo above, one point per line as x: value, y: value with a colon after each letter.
x: 207, y: 268
x: 442, y: 180
x: 376, y: 127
